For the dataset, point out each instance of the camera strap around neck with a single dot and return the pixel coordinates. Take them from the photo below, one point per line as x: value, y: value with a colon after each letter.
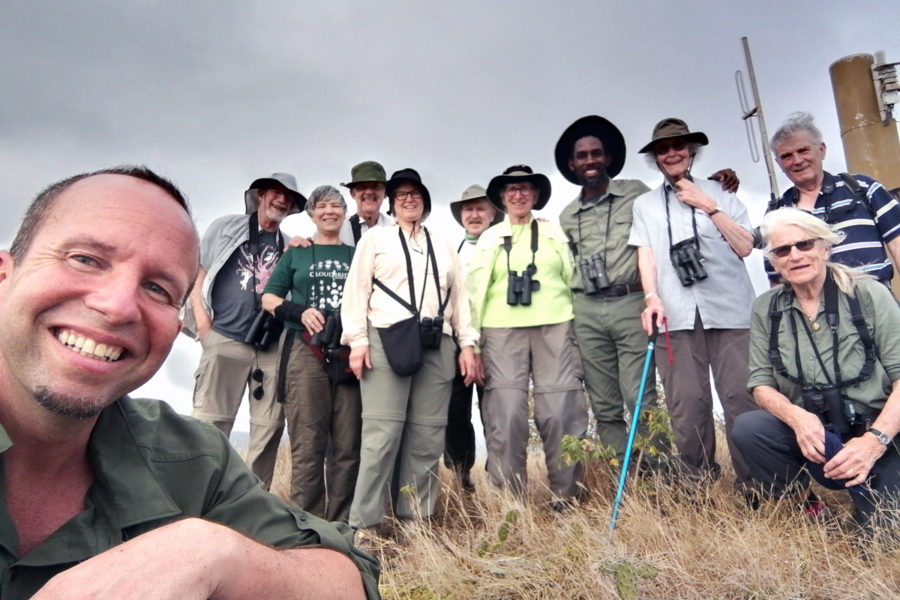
x: 831, y: 316
x: 254, y: 252
x: 411, y: 305
x: 666, y: 186
x: 507, y: 245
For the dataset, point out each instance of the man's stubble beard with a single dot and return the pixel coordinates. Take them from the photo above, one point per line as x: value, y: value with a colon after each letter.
x: 67, y: 406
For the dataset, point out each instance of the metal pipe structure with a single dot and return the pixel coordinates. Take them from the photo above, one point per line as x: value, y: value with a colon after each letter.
x: 756, y: 111
x: 868, y: 132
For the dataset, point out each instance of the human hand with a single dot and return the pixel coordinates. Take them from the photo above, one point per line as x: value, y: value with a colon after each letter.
x: 654, y: 314
x: 470, y: 366
x: 690, y: 193
x: 313, y: 320
x: 729, y: 179
x: 360, y: 359
x: 300, y: 242
x: 855, y: 460
x: 810, y: 434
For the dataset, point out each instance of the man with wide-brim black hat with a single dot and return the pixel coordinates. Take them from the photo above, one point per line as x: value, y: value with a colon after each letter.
x: 237, y: 255
x: 607, y: 286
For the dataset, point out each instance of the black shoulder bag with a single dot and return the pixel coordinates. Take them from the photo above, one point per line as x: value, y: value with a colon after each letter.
x: 403, y: 341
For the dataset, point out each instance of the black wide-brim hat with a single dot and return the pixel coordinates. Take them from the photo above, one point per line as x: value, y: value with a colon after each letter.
x: 602, y: 129
x: 518, y: 174
x: 410, y: 176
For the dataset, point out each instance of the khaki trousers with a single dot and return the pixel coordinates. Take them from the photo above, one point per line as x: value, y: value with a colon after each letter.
x: 548, y: 354
x: 317, y: 416
x: 220, y: 381
x: 403, y: 424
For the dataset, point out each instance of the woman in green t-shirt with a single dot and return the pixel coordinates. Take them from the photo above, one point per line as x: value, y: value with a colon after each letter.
x: 321, y: 411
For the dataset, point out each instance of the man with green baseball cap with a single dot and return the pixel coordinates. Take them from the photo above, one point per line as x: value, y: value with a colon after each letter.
x: 367, y: 186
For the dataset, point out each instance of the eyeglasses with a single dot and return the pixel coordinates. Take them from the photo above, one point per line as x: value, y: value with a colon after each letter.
x: 802, y: 246
x: 414, y: 194
x: 662, y: 148
x: 521, y: 188
x: 257, y: 376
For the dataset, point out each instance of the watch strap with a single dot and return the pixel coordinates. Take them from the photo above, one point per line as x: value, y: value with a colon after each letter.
x: 880, y: 436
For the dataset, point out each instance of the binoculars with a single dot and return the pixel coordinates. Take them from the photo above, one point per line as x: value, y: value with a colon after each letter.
x: 519, y: 287
x: 837, y: 412
x: 593, y: 274
x: 431, y: 330
x: 330, y: 335
x: 264, y: 330
x: 688, y: 261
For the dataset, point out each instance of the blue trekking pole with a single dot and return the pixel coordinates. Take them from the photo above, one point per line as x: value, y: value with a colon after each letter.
x: 651, y: 342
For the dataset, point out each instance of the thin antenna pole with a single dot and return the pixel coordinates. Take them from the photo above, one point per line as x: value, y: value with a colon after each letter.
x: 757, y: 111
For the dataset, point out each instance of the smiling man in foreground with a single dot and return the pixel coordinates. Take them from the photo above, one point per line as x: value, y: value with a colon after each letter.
x: 105, y: 496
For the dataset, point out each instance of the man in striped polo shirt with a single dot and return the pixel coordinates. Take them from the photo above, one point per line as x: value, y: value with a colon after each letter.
x: 857, y: 205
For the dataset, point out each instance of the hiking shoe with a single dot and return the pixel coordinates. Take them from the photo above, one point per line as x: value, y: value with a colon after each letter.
x: 814, y: 508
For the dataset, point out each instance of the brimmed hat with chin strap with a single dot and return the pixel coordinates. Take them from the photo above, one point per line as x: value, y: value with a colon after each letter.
x: 674, y: 128
x: 473, y: 192
x: 518, y: 174
x: 284, y: 181
x: 600, y: 128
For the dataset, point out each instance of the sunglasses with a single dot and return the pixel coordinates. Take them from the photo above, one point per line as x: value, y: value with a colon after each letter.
x: 802, y: 246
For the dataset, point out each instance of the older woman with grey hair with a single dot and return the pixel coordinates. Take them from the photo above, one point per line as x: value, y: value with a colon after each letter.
x: 691, y: 238
x: 825, y: 369
x: 320, y: 407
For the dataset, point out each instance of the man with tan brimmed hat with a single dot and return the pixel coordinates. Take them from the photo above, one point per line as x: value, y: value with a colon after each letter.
x: 237, y: 255
x: 607, y: 304
x: 476, y: 214
x: 367, y: 186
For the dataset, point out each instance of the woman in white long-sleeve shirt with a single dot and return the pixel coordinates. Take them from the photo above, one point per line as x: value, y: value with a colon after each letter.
x: 404, y: 416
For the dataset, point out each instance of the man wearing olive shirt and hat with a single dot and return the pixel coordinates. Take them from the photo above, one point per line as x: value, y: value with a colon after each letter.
x: 475, y: 213
x: 608, y: 302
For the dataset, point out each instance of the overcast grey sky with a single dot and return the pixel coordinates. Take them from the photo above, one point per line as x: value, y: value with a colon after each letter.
x: 216, y: 94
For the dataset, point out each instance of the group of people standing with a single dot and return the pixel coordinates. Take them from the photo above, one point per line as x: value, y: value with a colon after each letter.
x: 389, y: 326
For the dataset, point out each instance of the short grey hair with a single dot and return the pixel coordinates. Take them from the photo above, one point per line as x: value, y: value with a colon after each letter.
x: 795, y: 123
x: 324, y: 193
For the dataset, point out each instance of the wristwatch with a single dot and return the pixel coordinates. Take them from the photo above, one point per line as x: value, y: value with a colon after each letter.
x: 716, y: 210
x: 880, y: 436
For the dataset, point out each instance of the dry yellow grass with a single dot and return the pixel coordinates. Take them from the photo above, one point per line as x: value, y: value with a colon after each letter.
x: 667, y: 544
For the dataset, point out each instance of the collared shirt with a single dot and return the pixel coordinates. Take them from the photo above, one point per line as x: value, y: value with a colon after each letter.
x: 346, y: 232
x: 153, y: 467
x: 882, y: 316
x: 725, y: 296
x: 488, y: 276
x: 865, y: 234
x: 380, y: 255
x: 603, y: 226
